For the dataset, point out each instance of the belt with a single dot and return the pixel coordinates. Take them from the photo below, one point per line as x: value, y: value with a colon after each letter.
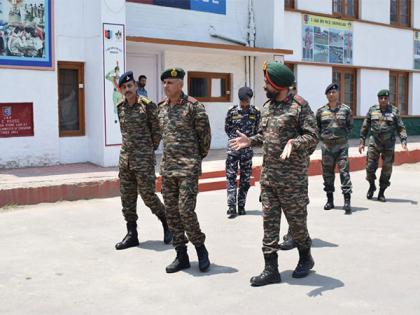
x: 335, y: 141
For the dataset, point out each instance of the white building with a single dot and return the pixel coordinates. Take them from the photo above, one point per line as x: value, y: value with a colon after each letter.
x: 221, y: 44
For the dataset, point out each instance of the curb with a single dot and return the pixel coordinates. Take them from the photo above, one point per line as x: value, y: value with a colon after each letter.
x: 110, y: 188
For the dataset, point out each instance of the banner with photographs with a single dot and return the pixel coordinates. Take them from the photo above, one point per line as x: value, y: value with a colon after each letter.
x: 327, y: 40
x: 114, y: 67
x: 26, y: 34
x: 417, y: 50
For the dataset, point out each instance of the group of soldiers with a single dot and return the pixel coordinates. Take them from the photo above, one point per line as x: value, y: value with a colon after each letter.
x: 288, y: 131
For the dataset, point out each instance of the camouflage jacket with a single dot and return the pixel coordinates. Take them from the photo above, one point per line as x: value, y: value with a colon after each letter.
x: 383, y: 125
x: 140, y: 134
x: 334, y: 124
x: 291, y: 118
x: 186, y: 136
x: 246, y: 121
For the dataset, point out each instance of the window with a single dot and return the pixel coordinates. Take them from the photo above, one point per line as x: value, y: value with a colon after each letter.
x: 71, y: 107
x: 398, y: 90
x: 346, y: 8
x: 289, y: 4
x: 346, y: 79
x: 209, y: 86
x: 400, y: 12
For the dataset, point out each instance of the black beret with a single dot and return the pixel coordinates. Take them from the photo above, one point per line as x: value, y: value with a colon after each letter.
x: 245, y: 92
x: 126, y: 77
x: 332, y: 86
x: 172, y: 73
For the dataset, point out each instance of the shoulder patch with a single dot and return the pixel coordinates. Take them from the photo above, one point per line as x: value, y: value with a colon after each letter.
x: 144, y: 100
x: 191, y: 99
x: 120, y: 103
x: 299, y: 99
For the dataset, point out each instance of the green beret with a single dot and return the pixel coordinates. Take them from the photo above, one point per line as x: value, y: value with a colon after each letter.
x: 278, y: 75
x: 383, y: 92
x: 172, y: 73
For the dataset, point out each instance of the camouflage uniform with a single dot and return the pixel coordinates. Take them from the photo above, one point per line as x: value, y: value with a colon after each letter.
x: 334, y: 128
x: 284, y: 183
x: 186, y: 141
x: 246, y: 121
x: 140, y: 138
x: 382, y: 126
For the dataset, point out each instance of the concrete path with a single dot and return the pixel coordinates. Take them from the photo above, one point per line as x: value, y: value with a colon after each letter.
x: 60, y: 258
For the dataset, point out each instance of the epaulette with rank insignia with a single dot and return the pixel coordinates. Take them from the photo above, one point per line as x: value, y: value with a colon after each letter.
x: 144, y: 100
x: 191, y: 99
x: 299, y: 99
x: 120, y: 103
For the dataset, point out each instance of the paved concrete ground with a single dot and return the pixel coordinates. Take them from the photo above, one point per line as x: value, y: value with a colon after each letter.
x: 60, y: 259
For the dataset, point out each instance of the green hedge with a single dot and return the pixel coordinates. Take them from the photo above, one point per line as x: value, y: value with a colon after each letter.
x: 411, y: 123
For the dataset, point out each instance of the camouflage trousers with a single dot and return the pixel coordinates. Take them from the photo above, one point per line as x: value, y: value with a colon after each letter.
x: 292, y: 201
x: 134, y: 182
x: 375, y: 151
x: 333, y: 155
x: 245, y: 165
x: 180, y: 196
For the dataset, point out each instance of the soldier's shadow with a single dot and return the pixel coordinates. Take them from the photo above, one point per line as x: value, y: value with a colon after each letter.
x: 155, y: 245
x: 254, y: 212
x: 413, y: 202
x: 353, y: 209
x: 214, y: 270
x: 323, y: 283
x: 316, y: 242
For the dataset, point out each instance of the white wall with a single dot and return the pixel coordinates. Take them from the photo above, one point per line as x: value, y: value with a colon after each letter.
x: 415, y: 94
x: 416, y: 14
x: 320, y: 6
x: 269, y: 22
x: 381, y: 46
x: 164, y: 22
x: 212, y: 63
x: 293, y: 35
x: 369, y: 83
x: 311, y: 83
x: 375, y: 10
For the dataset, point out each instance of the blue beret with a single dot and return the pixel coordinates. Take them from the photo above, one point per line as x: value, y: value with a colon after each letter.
x: 245, y: 92
x: 126, y: 77
x: 332, y: 86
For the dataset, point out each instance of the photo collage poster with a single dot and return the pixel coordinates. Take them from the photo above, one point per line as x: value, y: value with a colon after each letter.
x: 327, y: 40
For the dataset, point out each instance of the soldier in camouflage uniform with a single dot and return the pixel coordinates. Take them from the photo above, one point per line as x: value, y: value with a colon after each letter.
x: 245, y: 118
x: 140, y: 138
x: 186, y: 142
x: 335, y: 121
x: 288, y: 134
x: 383, y: 121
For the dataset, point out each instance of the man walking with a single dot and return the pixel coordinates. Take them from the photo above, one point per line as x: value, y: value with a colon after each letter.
x: 140, y: 138
x: 335, y: 121
x: 186, y: 141
x: 383, y: 121
x: 288, y: 134
x: 245, y: 118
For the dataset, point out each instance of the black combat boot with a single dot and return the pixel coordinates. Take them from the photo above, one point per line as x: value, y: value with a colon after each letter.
x: 241, y: 210
x: 381, y: 196
x: 330, y: 202
x: 203, y: 258
x: 167, y: 234
x: 270, y: 274
x: 131, y: 239
x: 288, y: 242
x: 371, y: 190
x: 182, y: 261
x: 231, y: 212
x: 306, y: 263
x: 347, y: 205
